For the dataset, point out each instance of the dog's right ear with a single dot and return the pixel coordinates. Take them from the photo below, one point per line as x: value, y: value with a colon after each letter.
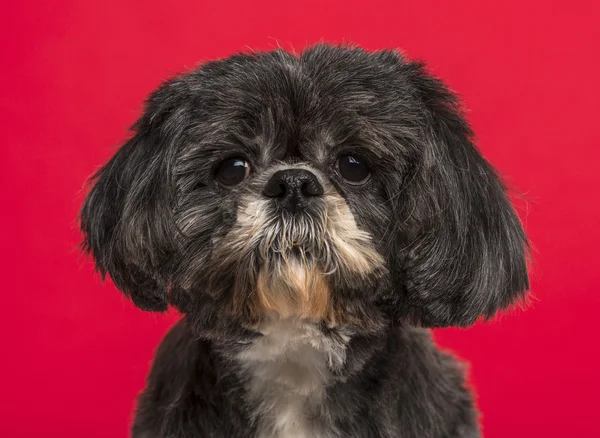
x: 127, y: 218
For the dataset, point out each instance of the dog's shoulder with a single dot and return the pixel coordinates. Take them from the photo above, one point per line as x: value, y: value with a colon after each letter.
x: 189, y: 391
x: 428, y: 387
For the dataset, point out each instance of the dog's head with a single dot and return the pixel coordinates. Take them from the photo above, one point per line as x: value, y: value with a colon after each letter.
x: 334, y: 186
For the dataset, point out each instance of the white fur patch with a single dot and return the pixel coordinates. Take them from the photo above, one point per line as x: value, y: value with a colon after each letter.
x: 287, y: 372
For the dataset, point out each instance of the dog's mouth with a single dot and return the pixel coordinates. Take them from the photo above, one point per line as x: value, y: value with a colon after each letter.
x: 301, y: 237
x: 299, y: 252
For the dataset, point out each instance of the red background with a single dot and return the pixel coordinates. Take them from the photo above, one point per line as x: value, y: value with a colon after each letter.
x: 73, y: 76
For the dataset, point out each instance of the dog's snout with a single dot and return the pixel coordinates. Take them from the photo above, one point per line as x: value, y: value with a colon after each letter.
x: 293, y: 189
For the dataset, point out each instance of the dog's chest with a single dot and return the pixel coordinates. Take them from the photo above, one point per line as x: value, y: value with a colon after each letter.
x: 286, y: 373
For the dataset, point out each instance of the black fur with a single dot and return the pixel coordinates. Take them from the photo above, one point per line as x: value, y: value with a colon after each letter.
x: 453, y: 247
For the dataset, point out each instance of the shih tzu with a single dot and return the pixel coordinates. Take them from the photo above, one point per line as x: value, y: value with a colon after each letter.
x: 310, y: 216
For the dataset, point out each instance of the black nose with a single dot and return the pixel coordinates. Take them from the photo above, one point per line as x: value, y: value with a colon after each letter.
x: 293, y: 188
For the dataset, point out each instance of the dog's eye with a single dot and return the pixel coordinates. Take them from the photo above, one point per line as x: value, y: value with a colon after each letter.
x: 353, y: 169
x: 233, y: 171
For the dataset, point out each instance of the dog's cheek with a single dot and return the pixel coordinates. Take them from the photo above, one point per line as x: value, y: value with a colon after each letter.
x: 371, y: 217
x: 202, y: 217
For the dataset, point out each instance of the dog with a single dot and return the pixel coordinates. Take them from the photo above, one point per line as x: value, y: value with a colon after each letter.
x: 310, y: 216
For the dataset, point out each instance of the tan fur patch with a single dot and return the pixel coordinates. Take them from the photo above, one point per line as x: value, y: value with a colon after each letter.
x: 293, y: 289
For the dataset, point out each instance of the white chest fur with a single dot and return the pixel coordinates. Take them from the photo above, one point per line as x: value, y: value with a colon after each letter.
x: 287, y: 372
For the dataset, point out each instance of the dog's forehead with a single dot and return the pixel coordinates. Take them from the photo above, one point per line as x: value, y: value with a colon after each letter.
x: 287, y: 105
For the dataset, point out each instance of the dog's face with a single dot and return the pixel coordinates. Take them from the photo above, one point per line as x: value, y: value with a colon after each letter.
x: 339, y: 186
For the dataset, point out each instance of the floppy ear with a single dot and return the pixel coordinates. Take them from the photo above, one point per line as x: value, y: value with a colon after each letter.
x: 127, y: 219
x: 466, y: 249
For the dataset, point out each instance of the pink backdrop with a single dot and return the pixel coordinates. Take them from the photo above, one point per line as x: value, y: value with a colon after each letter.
x: 73, y: 75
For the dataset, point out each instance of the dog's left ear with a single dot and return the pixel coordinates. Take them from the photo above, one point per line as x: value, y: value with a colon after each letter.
x: 465, y: 255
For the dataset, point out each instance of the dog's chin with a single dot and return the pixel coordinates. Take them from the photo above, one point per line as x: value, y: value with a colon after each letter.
x: 299, y: 272
x: 293, y: 271
x: 294, y: 285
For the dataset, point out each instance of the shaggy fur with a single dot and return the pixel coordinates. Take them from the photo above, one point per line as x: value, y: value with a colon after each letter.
x: 312, y: 324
